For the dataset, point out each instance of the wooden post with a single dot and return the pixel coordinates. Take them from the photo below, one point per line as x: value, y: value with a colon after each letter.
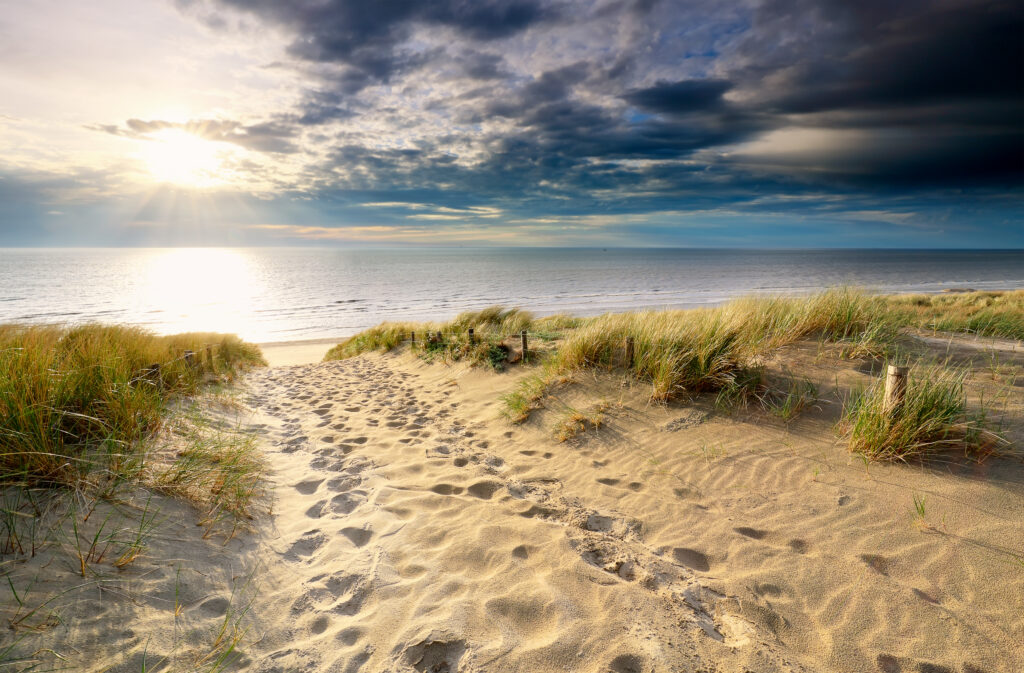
x: 209, y: 358
x: 470, y: 335
x: 440, y: 337
x: 190, y: 358
x: 412, y: 338
x: 895, y: 389
x: 522, y: 335
x: 629, y: 352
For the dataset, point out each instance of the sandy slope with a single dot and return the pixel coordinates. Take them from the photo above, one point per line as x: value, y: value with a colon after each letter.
x: 412, y: 529
x: 419, y: 532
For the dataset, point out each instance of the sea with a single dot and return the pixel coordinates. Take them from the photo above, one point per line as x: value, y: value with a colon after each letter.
x: 291, y: 294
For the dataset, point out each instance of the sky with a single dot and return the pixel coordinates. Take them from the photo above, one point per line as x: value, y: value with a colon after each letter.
x: 748, y: 123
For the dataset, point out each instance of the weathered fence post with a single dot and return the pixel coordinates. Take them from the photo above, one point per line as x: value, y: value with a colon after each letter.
x: 895, y: 389
x: 522, y: 336
x: 190, y: 358
x: 471, y: 335
x: 629, y: 352
x: 412, y: 338
x: 209, y: 358
x: 440, y: 337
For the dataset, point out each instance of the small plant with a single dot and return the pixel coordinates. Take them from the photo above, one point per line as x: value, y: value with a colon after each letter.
x: 218, y: 469
x: 789, y: 404
x: 526, y: 397
x: 919, y: 511
x: 932, y: 417
x: 575, y: 422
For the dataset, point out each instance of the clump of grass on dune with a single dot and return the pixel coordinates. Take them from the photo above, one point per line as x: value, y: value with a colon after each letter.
x: 384, y: 337
x: 491, y: 327
x: 994, y: 314
x: 495, y: 320
x: 932, y: 418
x: 574, y: 422
x: 217, y: 468
x: 75, y: 403
x: 684, y: 352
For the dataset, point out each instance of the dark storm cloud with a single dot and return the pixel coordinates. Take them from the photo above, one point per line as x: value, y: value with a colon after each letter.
x: 884, y: 54
x: 952, y: 71
x: 632, y: 107
x: 680, y: 97
x: 369, y: 36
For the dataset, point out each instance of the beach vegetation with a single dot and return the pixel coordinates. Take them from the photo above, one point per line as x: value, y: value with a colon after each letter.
x: 992, y: 314
x: 932, y: 418
x: 217, y: 468
x: 788, y: 403
x: 78, y: 403
x: 574, y: 422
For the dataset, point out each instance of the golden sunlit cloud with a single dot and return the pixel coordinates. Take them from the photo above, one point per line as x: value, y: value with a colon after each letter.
x: 183, y: 159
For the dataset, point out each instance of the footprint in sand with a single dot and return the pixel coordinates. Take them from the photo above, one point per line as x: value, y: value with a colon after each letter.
x: 350, y: 636
x: 343, y: 484
x: 435, y: 656
x: 316, y: 511
x: 692, y: 559
x: 627, y: 663
x: 357, y: 536
x: 305, y: 545
x: 215, y: 607
x: 752, y: 533
x: 611, y: 525
x: 484, y: 489
x: 446, y: 489
x: 879, y: 564
x: 343, y: 503
x: 309, y: 486
x: 319, y: 625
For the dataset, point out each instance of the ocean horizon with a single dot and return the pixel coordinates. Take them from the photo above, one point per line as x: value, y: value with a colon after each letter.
x: 293, y: 294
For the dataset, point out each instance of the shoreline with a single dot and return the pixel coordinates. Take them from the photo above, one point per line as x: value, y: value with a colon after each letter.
x: 303, y: 352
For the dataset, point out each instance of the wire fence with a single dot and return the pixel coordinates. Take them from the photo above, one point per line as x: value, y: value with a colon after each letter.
x: 152, y: 374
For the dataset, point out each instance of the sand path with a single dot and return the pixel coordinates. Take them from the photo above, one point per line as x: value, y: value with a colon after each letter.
x: 416, y: 531
x: 406, y: 544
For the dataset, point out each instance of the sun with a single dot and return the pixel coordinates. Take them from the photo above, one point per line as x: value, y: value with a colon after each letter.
x: 181, y: 158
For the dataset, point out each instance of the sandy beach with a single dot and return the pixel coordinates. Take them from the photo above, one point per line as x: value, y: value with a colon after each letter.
x: 420, y: 531
x: 408, y: 527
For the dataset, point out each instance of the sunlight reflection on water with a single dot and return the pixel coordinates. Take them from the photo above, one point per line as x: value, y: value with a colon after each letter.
x: 283, y: 294
x: 200, y: 289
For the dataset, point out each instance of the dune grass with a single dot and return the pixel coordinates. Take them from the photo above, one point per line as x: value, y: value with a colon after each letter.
x: 932, y: 419
x: 495, y: 328
x: 714, y: 349
x: 76, y: 404
x: 718, y: 350
x: 574, y: 422
x: 992, y: 314
x: 218, y: 469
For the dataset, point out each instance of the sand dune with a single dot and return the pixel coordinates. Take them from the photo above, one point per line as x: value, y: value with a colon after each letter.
x: 420, y: 532
x: 412, y: 529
